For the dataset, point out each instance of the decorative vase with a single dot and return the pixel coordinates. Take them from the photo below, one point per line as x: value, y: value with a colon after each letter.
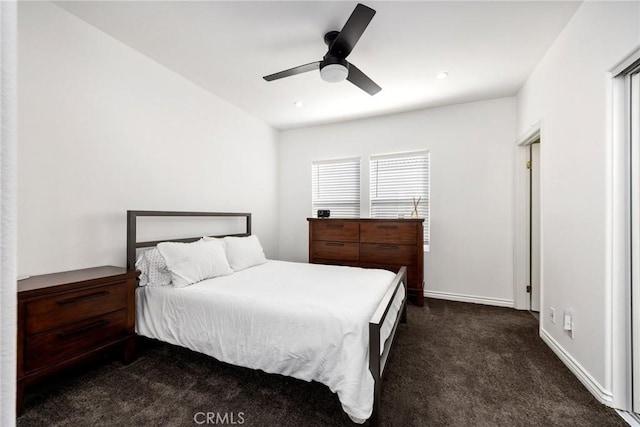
x: 414, y: 214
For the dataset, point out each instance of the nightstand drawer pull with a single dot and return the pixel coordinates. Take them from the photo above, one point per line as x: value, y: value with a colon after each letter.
x: 388, y: 227
x: 334, y: 244
x: 83, y: 329
x: 83, y: 297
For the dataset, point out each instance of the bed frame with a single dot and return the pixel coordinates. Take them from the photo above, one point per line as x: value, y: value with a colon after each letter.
x: 377, y: 362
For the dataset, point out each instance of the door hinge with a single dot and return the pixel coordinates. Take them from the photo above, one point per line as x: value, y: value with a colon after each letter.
x: 529, y: 164
x: 529, y: 289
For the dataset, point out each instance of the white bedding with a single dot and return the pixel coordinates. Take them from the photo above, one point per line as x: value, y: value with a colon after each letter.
x: 306, y: 321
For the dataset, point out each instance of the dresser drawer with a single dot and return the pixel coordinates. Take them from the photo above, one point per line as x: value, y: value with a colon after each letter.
x: 386, y: 253
x: 61, y: 309
x: 332, y: 230
x: 335, y: 251
x: 60, y: 343
x: 388, y: 232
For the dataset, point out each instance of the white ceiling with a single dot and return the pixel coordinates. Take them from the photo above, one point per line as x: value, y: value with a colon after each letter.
x: 488, y: 48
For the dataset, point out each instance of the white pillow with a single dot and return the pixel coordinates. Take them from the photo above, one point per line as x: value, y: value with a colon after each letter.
x: 190, y: 263
x: 244, y: 252
x: 153, y: 269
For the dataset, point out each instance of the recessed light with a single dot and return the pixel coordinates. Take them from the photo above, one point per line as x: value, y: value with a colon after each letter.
x: 442, y: 75
x: 298, y: 104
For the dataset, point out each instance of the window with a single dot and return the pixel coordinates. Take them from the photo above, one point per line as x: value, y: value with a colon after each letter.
x: 336, y: 186
x: 396, y: 180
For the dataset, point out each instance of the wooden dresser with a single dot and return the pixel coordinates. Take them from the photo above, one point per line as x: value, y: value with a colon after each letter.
x: 64, y: 318
x: 372, y: 243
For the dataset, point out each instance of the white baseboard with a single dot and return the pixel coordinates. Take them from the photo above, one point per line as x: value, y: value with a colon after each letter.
x: 469, y: 298
x: 632, y: 419
x: 603, y: 395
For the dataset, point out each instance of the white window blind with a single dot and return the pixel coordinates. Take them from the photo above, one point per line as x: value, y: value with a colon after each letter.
x: 336, y: 186
x: 395, y: 181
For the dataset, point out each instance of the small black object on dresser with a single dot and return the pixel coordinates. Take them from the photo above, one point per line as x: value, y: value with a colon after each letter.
x: 324, y: 213
x: 64, y: 318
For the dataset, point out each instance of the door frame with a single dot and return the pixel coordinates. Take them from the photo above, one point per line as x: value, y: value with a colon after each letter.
x: 533, y: 169
x: 619, y: 366
x: 521, y: 209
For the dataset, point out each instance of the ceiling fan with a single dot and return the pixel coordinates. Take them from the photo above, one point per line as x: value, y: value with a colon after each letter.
x: 334, y: 66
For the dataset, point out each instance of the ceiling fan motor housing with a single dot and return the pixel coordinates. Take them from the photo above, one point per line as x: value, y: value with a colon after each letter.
x: 331, y: 59
x: 330, y: 37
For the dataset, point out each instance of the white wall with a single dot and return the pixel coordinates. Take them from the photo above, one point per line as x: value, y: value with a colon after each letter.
x: 103, y: 129
x: 8, y: 201
x: 471, y: 192
x: 568, y: 93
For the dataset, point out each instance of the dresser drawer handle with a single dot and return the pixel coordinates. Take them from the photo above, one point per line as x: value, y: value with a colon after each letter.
x: 334, y: 244
x: 388, y: 227
x: 83, y: 329
x: 335, y: 225
x: 82, y: 298
x: 390, y: 247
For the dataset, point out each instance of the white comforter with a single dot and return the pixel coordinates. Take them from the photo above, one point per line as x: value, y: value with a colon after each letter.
x: 301, y: 320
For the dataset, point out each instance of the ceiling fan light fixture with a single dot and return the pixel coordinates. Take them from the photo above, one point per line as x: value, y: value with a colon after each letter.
x: 334, y: 66
x: 334, y: 73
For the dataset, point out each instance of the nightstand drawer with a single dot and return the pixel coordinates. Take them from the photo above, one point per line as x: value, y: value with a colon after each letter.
x: 335, y: 250
x: 388, y: 232
x: 60, y: 343
x: 61, y: 309
x: 335, y: 230
x: 386, y: 253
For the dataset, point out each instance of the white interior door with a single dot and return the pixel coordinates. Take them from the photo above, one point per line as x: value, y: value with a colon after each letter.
x: 535, y: 227
x: 635, y: 237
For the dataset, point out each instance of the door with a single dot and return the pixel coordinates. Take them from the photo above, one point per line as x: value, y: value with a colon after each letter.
x: 534, y: 226
x: 634, y: 86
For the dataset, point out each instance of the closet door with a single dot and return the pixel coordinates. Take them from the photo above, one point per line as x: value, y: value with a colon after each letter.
x: 635, y: 236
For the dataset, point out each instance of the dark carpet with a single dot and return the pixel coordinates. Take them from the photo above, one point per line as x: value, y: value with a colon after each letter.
x: 453, y: 364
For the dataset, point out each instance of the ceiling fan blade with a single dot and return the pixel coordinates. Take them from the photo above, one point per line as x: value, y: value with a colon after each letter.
x: 361, y: 80
x: 352, y: 31
x: 293, y: 71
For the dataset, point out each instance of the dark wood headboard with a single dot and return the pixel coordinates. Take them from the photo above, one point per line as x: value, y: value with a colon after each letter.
x: 132, y: 221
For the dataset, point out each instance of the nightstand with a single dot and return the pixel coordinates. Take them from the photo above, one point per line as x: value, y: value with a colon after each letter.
x: 65, y: 318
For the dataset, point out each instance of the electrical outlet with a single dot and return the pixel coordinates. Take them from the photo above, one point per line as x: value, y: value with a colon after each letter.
x: 567, y: 321
x: 552, y: 315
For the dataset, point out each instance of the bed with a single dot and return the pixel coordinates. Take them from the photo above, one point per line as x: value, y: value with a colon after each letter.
x: 330, y: 324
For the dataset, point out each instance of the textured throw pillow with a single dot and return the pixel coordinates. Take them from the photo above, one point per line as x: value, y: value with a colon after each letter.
x: 190, y: 263
x: 142, y: 265
x: 244, y: 252
x: 153, y: 269
x: 159, y: 275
